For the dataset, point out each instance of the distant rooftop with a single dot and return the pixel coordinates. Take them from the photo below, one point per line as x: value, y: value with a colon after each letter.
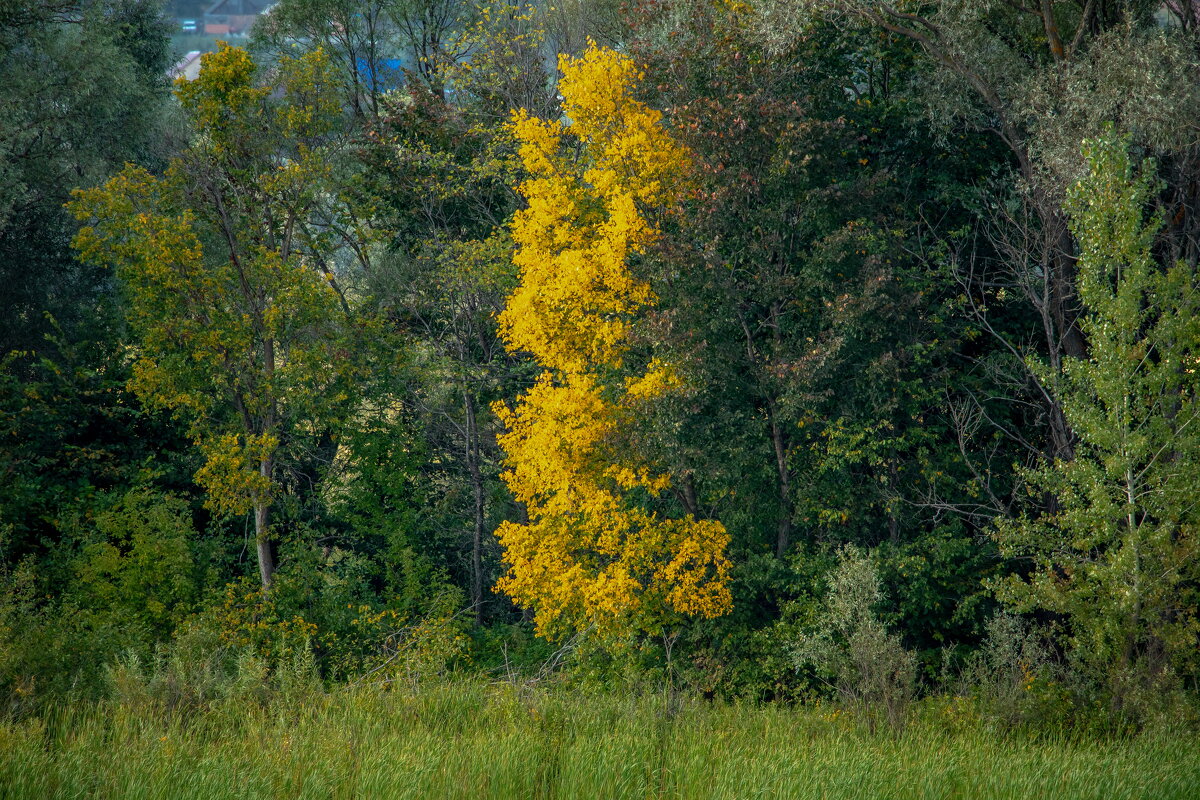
x: 240, y: 8
x: 233, y: 17
x: 187, y: 67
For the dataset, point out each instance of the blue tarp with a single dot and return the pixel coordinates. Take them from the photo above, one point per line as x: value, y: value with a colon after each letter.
x: 388, y: 73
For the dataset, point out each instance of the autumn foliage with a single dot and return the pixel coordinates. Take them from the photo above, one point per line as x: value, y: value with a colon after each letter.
x: 591, y: 555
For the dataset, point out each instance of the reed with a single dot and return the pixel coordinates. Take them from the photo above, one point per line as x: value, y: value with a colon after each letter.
x: 476, y: 740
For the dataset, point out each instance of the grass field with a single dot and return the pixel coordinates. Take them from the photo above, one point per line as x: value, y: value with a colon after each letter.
x: 479, y: 741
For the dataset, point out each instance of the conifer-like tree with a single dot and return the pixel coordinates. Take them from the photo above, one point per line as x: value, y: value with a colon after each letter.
x: 1115, y: 557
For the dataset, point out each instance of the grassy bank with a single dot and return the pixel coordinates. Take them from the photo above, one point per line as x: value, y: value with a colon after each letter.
x: 476, y: 741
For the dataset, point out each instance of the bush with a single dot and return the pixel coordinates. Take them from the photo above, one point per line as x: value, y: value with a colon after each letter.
x: 1017, y: 680
x: 197, y: 672
x: 1013, y: 677
x: 121, y: 577
x: 135, y: 566
x: 865, y: 664
x: 48, y: 650
x: 421, y: 649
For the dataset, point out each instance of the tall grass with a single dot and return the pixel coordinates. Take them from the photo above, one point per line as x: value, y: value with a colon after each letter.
x: 473, y: 740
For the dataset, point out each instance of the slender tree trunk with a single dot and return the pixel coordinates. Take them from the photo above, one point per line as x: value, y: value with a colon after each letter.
x: 477, y: 489
x: 783, y: 538
x: 266, y: 468
x: 893, y: 517
x: 1129, y: 651
x: 690, y: 503
x: 1063, y: 337
x: 262, y: 530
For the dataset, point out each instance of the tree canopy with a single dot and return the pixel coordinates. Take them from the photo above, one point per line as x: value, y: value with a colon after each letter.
x: 835, y: 349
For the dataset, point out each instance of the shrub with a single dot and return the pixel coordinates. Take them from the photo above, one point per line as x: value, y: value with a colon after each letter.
x: 861, y: 660
x: 1013, y: 676
x: 135, y: 566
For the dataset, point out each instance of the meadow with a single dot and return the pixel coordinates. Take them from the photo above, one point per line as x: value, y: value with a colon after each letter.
x: 478, y: 740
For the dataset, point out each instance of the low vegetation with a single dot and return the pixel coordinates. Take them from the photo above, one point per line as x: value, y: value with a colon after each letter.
x: 478, y: 740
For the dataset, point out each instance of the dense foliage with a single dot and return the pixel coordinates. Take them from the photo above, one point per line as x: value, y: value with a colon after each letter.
x: 834, y: 349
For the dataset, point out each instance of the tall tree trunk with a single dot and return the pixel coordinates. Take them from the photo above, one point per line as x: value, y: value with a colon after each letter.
x: 477, y: 490
x: 262, y: 529
x: 687, y: 495
x: 266, y: 468
x: 779, y: 443
x: 783, y: 537
x: 893, y: 516
x: 1064, y: 339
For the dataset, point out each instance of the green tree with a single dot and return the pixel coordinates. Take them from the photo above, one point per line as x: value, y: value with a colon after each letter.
x: 359, y: 38
x: 436, y: 178
x: 1115, y: 559
x: 1037, y: 76
x: 238, y: 330
x: 796, y: 287
x: 81, y: 92
x: 815, y: 327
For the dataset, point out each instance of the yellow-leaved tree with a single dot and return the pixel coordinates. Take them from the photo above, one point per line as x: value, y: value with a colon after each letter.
x: 594, y: 554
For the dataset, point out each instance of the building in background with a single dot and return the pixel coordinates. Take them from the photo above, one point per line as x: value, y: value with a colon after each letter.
x: 233, y: 17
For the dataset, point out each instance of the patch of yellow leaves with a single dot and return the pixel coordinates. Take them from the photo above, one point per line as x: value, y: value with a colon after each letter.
x: 591, y: 557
